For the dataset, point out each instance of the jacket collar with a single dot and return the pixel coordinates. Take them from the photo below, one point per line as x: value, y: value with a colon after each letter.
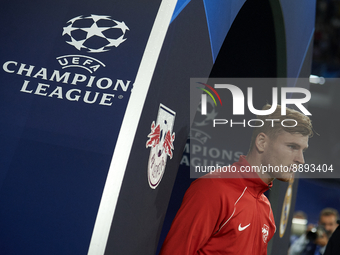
x: 252, y: 180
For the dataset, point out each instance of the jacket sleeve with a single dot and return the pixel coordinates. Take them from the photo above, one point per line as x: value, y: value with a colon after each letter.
x: 196, y: 221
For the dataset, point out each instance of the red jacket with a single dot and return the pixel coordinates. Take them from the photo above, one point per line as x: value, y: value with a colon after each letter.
x: 222, y: 216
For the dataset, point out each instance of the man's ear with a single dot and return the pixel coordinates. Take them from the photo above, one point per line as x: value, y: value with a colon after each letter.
x: 261, y: 142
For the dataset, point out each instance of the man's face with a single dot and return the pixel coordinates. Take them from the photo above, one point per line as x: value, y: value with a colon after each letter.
x: 284, y: 150
x: 329, y: 223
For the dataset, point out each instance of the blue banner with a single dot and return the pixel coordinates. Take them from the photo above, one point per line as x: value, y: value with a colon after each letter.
x: 67, y: 71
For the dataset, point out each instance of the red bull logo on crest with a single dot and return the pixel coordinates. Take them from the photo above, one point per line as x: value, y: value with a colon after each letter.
x: 160, y: 141
x: 265, y: 233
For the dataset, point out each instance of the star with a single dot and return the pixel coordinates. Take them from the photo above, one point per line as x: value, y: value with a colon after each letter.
x: 78, y: 44
x: 74, y: 19
x: 98, y: 17
x: 68, y: 29
x: 98, y: 50
x: 95, y: 30
x: 115, y: 42
x: 121, y: 25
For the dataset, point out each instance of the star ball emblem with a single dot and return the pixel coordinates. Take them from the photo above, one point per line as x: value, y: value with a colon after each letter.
x: 94, y: 33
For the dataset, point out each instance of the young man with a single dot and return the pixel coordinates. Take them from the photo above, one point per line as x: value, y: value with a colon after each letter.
x: 232, y: 215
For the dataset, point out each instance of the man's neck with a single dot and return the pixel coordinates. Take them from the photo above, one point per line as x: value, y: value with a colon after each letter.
x: 255, y: 161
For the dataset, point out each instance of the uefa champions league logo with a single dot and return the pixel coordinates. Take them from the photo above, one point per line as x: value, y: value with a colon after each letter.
x: 94, y: 33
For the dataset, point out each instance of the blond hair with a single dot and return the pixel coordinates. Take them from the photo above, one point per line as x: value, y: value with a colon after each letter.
x: 274, y: 128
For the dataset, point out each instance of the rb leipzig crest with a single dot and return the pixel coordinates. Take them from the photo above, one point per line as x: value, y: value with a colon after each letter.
x: 265, y: 233
x: 160, y: 141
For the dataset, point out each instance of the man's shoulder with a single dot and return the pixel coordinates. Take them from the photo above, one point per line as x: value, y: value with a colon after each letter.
x: 215, y: 193
x: 219, y: 186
